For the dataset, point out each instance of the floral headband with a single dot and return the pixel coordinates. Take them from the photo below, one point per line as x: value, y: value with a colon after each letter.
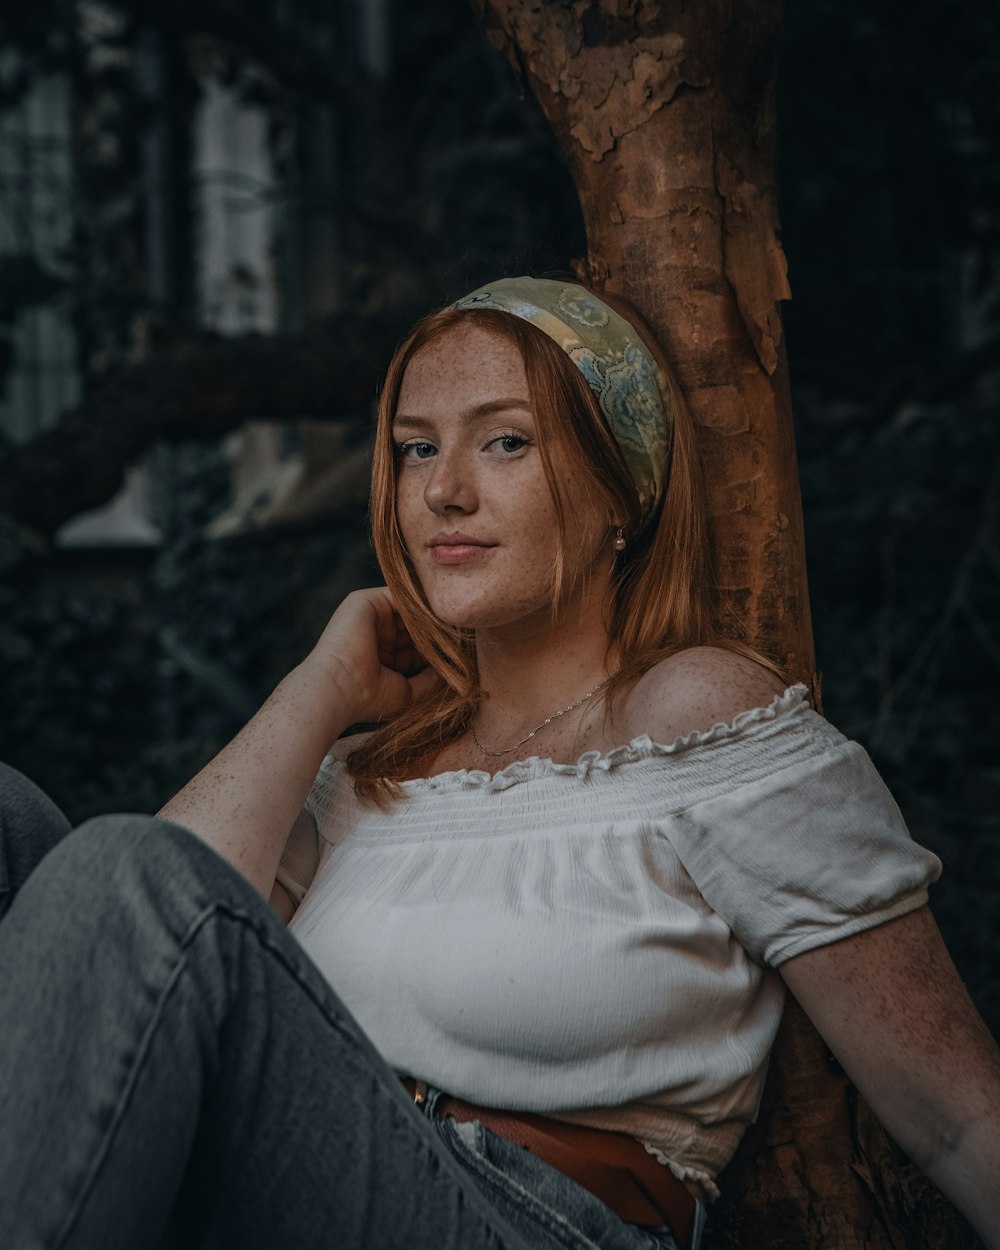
x: 627, y: 381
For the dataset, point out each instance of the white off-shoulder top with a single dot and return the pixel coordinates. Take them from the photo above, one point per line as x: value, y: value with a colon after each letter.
x: 597, y: 941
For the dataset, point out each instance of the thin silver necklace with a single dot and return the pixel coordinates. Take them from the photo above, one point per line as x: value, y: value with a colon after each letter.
x: 537, y: 729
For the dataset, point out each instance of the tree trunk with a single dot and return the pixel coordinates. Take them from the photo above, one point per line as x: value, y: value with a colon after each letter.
x: 665, y: 113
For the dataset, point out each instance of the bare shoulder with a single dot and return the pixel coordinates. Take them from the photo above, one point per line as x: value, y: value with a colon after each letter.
x: 694, y: 690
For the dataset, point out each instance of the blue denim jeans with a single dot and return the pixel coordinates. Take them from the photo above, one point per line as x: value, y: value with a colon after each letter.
x: 175, y: 1073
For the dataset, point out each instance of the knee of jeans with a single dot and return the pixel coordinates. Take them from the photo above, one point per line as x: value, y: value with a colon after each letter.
x: 142, y: 853
x: 28, y: 817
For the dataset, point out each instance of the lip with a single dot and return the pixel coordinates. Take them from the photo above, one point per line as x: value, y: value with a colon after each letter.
x: 457, y: 548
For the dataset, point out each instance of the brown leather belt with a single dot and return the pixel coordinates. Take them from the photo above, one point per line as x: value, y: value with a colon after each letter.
x: 612, y: 1166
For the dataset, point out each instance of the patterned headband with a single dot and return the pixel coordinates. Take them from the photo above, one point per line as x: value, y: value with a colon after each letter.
x: 627, y: 381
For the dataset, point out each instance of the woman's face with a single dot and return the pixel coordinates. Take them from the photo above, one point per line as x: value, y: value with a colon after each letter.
x: 474, y: 506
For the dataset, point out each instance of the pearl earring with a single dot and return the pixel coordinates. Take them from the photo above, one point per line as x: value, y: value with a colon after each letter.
x: 619, y: 542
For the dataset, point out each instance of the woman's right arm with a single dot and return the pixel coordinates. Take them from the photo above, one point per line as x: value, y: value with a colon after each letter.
x: 244, y: 802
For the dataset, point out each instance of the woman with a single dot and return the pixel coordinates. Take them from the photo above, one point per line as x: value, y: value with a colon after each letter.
x: 557, y: 891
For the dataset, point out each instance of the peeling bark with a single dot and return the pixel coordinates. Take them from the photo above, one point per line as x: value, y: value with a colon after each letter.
x: 665, y: 113
x: 666, y: 116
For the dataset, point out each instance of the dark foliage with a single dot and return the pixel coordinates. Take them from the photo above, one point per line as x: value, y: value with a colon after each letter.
x: 889, y: 170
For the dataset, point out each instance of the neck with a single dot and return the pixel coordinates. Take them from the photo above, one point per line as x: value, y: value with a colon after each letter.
x: 529, y: 671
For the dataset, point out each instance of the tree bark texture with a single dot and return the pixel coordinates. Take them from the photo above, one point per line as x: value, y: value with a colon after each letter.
x: 665, y: 113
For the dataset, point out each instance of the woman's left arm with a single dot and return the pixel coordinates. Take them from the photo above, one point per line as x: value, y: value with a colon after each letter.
x: 891, y: 1006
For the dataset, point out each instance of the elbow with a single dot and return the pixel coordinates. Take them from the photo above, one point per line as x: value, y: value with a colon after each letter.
x: 935, y: 1149
x: 945, y: 1146
x: 933, y: 1131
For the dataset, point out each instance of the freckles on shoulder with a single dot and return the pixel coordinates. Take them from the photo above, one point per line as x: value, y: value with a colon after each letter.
x: 694, y: 690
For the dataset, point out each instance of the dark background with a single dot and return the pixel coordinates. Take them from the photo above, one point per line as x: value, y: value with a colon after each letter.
x: 395, y: 163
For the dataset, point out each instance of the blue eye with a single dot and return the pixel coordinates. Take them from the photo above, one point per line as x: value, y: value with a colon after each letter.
x: 509, y: 444
x: 416, y: 450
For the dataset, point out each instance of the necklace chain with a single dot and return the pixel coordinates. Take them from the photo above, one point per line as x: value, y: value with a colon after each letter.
x: 538, y: 728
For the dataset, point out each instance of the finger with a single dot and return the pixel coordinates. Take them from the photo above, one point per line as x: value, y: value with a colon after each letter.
x: 412, y: 664
x: 423, y: 682
x: 387, y: 629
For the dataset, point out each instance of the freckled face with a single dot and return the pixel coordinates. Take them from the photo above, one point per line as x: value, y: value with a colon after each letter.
x: 473, y: 503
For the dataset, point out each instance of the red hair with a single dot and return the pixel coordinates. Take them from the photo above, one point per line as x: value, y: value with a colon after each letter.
x: 663, y: 597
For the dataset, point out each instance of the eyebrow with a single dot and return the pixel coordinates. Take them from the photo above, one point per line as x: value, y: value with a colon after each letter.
x: 470, y: 414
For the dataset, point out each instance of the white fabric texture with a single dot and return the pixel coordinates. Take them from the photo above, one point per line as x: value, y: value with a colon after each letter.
x: 300, y: 858
x: 596, y: 941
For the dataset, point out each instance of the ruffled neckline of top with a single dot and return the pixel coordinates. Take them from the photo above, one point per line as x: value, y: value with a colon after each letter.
x: 640, y: 748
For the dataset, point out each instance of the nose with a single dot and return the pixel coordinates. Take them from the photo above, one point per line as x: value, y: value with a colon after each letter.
x: 450, y: 485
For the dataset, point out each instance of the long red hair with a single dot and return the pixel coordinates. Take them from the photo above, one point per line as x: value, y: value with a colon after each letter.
x: 663, y: 598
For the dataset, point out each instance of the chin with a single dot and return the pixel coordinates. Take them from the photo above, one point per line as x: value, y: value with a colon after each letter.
x: 479, y: 603
x: 482, y: 614
x: 465, y: 617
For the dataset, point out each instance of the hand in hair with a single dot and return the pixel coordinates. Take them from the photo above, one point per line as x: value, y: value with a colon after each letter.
x: 370, y: 658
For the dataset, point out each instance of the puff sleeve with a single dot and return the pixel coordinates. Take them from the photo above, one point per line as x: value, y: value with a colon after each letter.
x: 804, y: 855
